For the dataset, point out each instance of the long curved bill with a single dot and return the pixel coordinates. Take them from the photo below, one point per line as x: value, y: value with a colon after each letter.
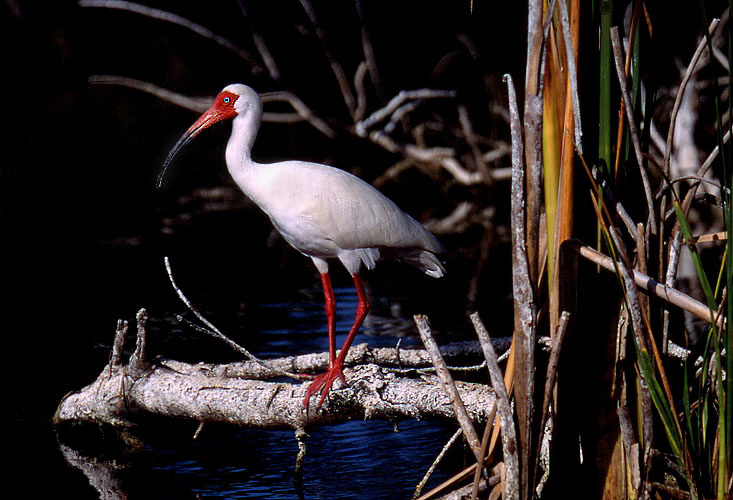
x: 206, y: 120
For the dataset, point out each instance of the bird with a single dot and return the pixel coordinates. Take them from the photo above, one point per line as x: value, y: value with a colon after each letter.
x: 325, y: 213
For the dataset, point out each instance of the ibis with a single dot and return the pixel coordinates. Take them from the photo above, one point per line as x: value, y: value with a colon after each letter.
x: 325, y: 213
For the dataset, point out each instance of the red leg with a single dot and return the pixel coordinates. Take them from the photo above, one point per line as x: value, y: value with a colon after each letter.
x: 324, y: 381
x: 331, y: 315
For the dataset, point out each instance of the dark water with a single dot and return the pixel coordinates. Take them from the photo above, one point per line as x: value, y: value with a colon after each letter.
x: 373, y: 459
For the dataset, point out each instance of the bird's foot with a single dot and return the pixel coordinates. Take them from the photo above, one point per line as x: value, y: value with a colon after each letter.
x: 323, y: 382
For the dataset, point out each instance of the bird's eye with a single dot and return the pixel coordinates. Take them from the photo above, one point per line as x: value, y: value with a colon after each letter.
x: 226, y: 100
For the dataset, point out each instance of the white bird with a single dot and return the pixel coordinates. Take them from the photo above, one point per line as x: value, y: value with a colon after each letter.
x: 323, y: 212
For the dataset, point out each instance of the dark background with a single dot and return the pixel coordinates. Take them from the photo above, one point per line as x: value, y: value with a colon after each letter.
x: 80, y: 218
x: 82, y: 222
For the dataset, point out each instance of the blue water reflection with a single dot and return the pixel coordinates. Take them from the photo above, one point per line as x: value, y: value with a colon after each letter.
x: 367, y: 460
x: 358, y: 459
x: 353, y: 460
x: 298, y: 327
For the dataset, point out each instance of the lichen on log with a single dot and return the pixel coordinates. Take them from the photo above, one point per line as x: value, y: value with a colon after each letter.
x: 390, y: 385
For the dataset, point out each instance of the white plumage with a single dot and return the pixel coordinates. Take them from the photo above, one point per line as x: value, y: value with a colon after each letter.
x: 323, y: 212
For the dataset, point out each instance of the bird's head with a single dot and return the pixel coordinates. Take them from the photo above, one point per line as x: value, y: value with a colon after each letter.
x: 234, y: 100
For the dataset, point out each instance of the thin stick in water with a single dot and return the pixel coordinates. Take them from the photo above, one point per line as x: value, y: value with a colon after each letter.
x: 508, y: 433
x: 423, y: 326
x: 215, y: 332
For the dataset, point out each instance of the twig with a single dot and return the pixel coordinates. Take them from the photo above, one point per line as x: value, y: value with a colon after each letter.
x: 215, y: 332
x: 368, y: 49
x: 362, y: 126
x: 398, y: 115
x: 618, y: 59
x: 264, y: 52
x: 508, y: 435
x: 448, y: 385
x: 631, y: 446
x: 484, y: 447
x: 336, y: 67
x: 166, y: 16
x: 300, y: 107
x: 666, y: 293
x: 361, y: 98
x: 552, y: 366
x: 435, y: 463
x: 611, y: 200
x: 196, y: 104
x: 300, y: 437
x: 201, y: 104
x: 118, y: 345
x: 712, y: 157
x: 524, y: 309
x: 441, y: 157
x: 468, y: 133
x: 484, y: 485
x: 138, y: 360
x: 680, y: 93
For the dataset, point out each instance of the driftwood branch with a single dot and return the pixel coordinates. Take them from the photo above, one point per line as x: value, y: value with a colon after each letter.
x: 524, y: 307
x: 449, y: 385
x: 218, y: 393
x: 372, y: 393
x: 336, y: 67
x: 170, y: 17
x: 511, y: 482
x: 201, y: 104
x: 681, y: 92
x: 636, y: 143
x: 435, y: 463
x: 646, y: 283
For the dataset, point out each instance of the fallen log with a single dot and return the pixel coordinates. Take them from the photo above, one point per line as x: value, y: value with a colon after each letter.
x: 389, y: 386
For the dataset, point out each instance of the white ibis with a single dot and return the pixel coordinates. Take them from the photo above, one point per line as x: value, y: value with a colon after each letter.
x: 323, y: 212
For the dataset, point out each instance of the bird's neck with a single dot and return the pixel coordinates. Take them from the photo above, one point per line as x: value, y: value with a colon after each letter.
x: 239, y: 147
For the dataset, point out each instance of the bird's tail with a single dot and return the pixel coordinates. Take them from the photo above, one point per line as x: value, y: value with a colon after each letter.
x: 426, y: 261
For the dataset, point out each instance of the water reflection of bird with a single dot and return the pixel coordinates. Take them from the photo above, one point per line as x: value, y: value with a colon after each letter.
x: 323, y: 212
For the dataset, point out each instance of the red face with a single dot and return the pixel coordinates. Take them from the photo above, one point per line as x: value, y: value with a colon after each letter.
x: 224, y: 105
x: 222, y: 109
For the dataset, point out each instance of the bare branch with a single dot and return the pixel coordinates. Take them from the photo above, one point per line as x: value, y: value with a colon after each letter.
x: 551, y: 376
x: 611, y: 200
x: 524, y: 308
x: 336, y: 67
x: 262, y: 48
x: 647, y: 283
x: 362, y: 126
x: 390, y: 359
x: 448, y: 385
x: 196, y: 104
x: 118, y: 345
x: 301, y: 108
x: 201, y: 104
x: 169, y: 17
x: 369, y: 58
x: 215, y: 332
x: 680, y: 93
x: 508, y: 434
x: 468, y: 133
x: 197, y: 395
x: 435, y: 463
x: 361, y: 98
x: 618, y: 59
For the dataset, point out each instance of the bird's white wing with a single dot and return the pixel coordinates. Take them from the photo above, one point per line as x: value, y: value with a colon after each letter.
x: 311, y: 202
